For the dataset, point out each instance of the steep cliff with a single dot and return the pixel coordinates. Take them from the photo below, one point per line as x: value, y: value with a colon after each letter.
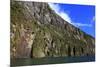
x: 37, y: 31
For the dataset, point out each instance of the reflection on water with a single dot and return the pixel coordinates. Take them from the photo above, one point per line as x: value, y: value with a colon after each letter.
x: 50, y: 60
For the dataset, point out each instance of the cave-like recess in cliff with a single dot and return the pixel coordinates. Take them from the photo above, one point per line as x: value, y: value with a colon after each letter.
x: 40, y: 36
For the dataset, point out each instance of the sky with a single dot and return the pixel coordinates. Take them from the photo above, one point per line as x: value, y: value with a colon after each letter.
x: 81, y: 16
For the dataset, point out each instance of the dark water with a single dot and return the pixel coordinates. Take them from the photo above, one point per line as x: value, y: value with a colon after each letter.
x: 50, y: 60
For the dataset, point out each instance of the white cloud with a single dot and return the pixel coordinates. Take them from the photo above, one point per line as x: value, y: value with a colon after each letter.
x: 86, y: 25
x: 81, y: 25
x: 55, y: 7
x: 61, y: 13
x: 66, y: 17
x: 93, y: 19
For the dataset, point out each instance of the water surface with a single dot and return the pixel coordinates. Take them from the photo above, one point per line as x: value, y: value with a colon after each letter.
x: 50, y: 60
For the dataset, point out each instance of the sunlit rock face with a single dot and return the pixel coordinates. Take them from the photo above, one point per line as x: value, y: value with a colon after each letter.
x: 37, y: 31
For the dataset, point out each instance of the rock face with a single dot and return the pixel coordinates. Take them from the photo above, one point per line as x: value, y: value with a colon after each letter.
x: 37, y: 31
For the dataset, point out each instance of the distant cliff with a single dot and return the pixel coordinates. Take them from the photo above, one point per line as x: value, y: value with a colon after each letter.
x: 37, y: 31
